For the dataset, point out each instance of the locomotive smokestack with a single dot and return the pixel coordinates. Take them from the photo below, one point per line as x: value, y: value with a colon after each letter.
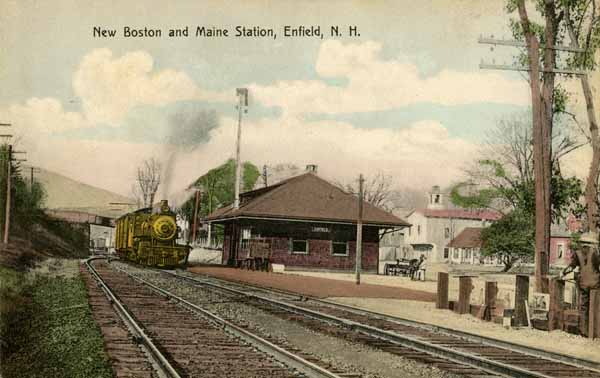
x: 163, y: 207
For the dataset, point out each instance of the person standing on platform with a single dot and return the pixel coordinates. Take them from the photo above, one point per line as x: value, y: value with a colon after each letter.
x: 415, y: 265
x: 586, y: 257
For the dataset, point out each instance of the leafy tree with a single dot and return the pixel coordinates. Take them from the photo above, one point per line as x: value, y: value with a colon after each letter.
x: 509, y: 239
x: 518, y: 221
x: 218, y: 188
x: 506, y: 183
x: 27, y: 199
x: 510, y: 194
x: 28, y: 202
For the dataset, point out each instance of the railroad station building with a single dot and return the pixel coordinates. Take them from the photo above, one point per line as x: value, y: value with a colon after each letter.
x: 303, y: 222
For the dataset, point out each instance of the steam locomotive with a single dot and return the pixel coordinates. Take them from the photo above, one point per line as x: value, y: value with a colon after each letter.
x: 149, y: 238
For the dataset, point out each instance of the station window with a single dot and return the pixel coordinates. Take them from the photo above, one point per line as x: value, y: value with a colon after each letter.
x: 447, y: 232
x: 245, y: 239
x: 339, y: 248
x: 446, y: 252
x: 419, y: 230
x: 299, y: 246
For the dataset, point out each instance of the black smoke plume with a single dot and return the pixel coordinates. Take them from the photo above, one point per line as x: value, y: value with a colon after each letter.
x: 188, y: 129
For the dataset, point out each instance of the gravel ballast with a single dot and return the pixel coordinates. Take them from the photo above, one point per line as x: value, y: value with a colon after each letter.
x: 556, y: 341
x: 403, y: 306
x: 345, y: 355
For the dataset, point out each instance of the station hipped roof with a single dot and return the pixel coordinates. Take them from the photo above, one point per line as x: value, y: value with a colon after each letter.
x: 306, y: 197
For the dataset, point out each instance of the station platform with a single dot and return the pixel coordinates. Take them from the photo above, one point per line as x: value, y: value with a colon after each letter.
x: 314, y: 286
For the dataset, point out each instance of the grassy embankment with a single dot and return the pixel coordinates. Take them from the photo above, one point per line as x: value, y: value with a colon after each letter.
x: 46, y: 326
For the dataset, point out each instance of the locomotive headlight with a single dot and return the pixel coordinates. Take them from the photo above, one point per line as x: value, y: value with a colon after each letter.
x: 164, y: 228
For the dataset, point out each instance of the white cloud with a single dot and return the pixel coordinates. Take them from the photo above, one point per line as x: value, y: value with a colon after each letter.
x: 110, y: 86
x: 43, y: 115
x: 106, y: 164
x: 374, y: 84
x: 420, y: 155
x: 417, y: 155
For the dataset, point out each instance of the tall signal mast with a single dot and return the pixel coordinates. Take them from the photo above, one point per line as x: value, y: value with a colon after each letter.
x: 242, y: 107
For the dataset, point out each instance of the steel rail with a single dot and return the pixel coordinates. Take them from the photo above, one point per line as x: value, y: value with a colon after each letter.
x: 159, y: 359
x: 291, y: 360
x: 530, y: 351
x: 488, y: 341
x: 477, y: 362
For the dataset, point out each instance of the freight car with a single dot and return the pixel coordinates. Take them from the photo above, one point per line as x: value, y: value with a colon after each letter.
x: 149, y: 238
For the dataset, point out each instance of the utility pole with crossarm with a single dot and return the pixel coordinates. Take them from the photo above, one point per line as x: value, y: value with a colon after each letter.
x: 541, y: 81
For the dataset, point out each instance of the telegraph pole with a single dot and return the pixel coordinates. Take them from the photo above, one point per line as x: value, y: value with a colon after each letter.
x: 196, y: 205
x: 209, y: 234
x: 8, y: 188
x: 542, y: 129
x: 264, y: 175
x: 359, y: 226
x: 8, y: 161
x: 32, y: 171
x: 242, y: 107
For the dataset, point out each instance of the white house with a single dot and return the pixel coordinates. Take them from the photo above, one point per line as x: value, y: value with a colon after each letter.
x: 465, y: 248
x: 435, y: 226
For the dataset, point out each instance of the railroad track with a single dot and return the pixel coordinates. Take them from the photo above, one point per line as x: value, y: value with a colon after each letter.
x: 129, y: 359
x: 449, y: 350
x: 184, y: 340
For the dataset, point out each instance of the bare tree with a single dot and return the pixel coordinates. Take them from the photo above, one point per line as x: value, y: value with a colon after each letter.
x: 510, y: 143
x: 148, y: 178
x: 583, y: 35
x: 509, y: 147
x: 274, y: 173
x: 377, y: 190
x: 136, y: 194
